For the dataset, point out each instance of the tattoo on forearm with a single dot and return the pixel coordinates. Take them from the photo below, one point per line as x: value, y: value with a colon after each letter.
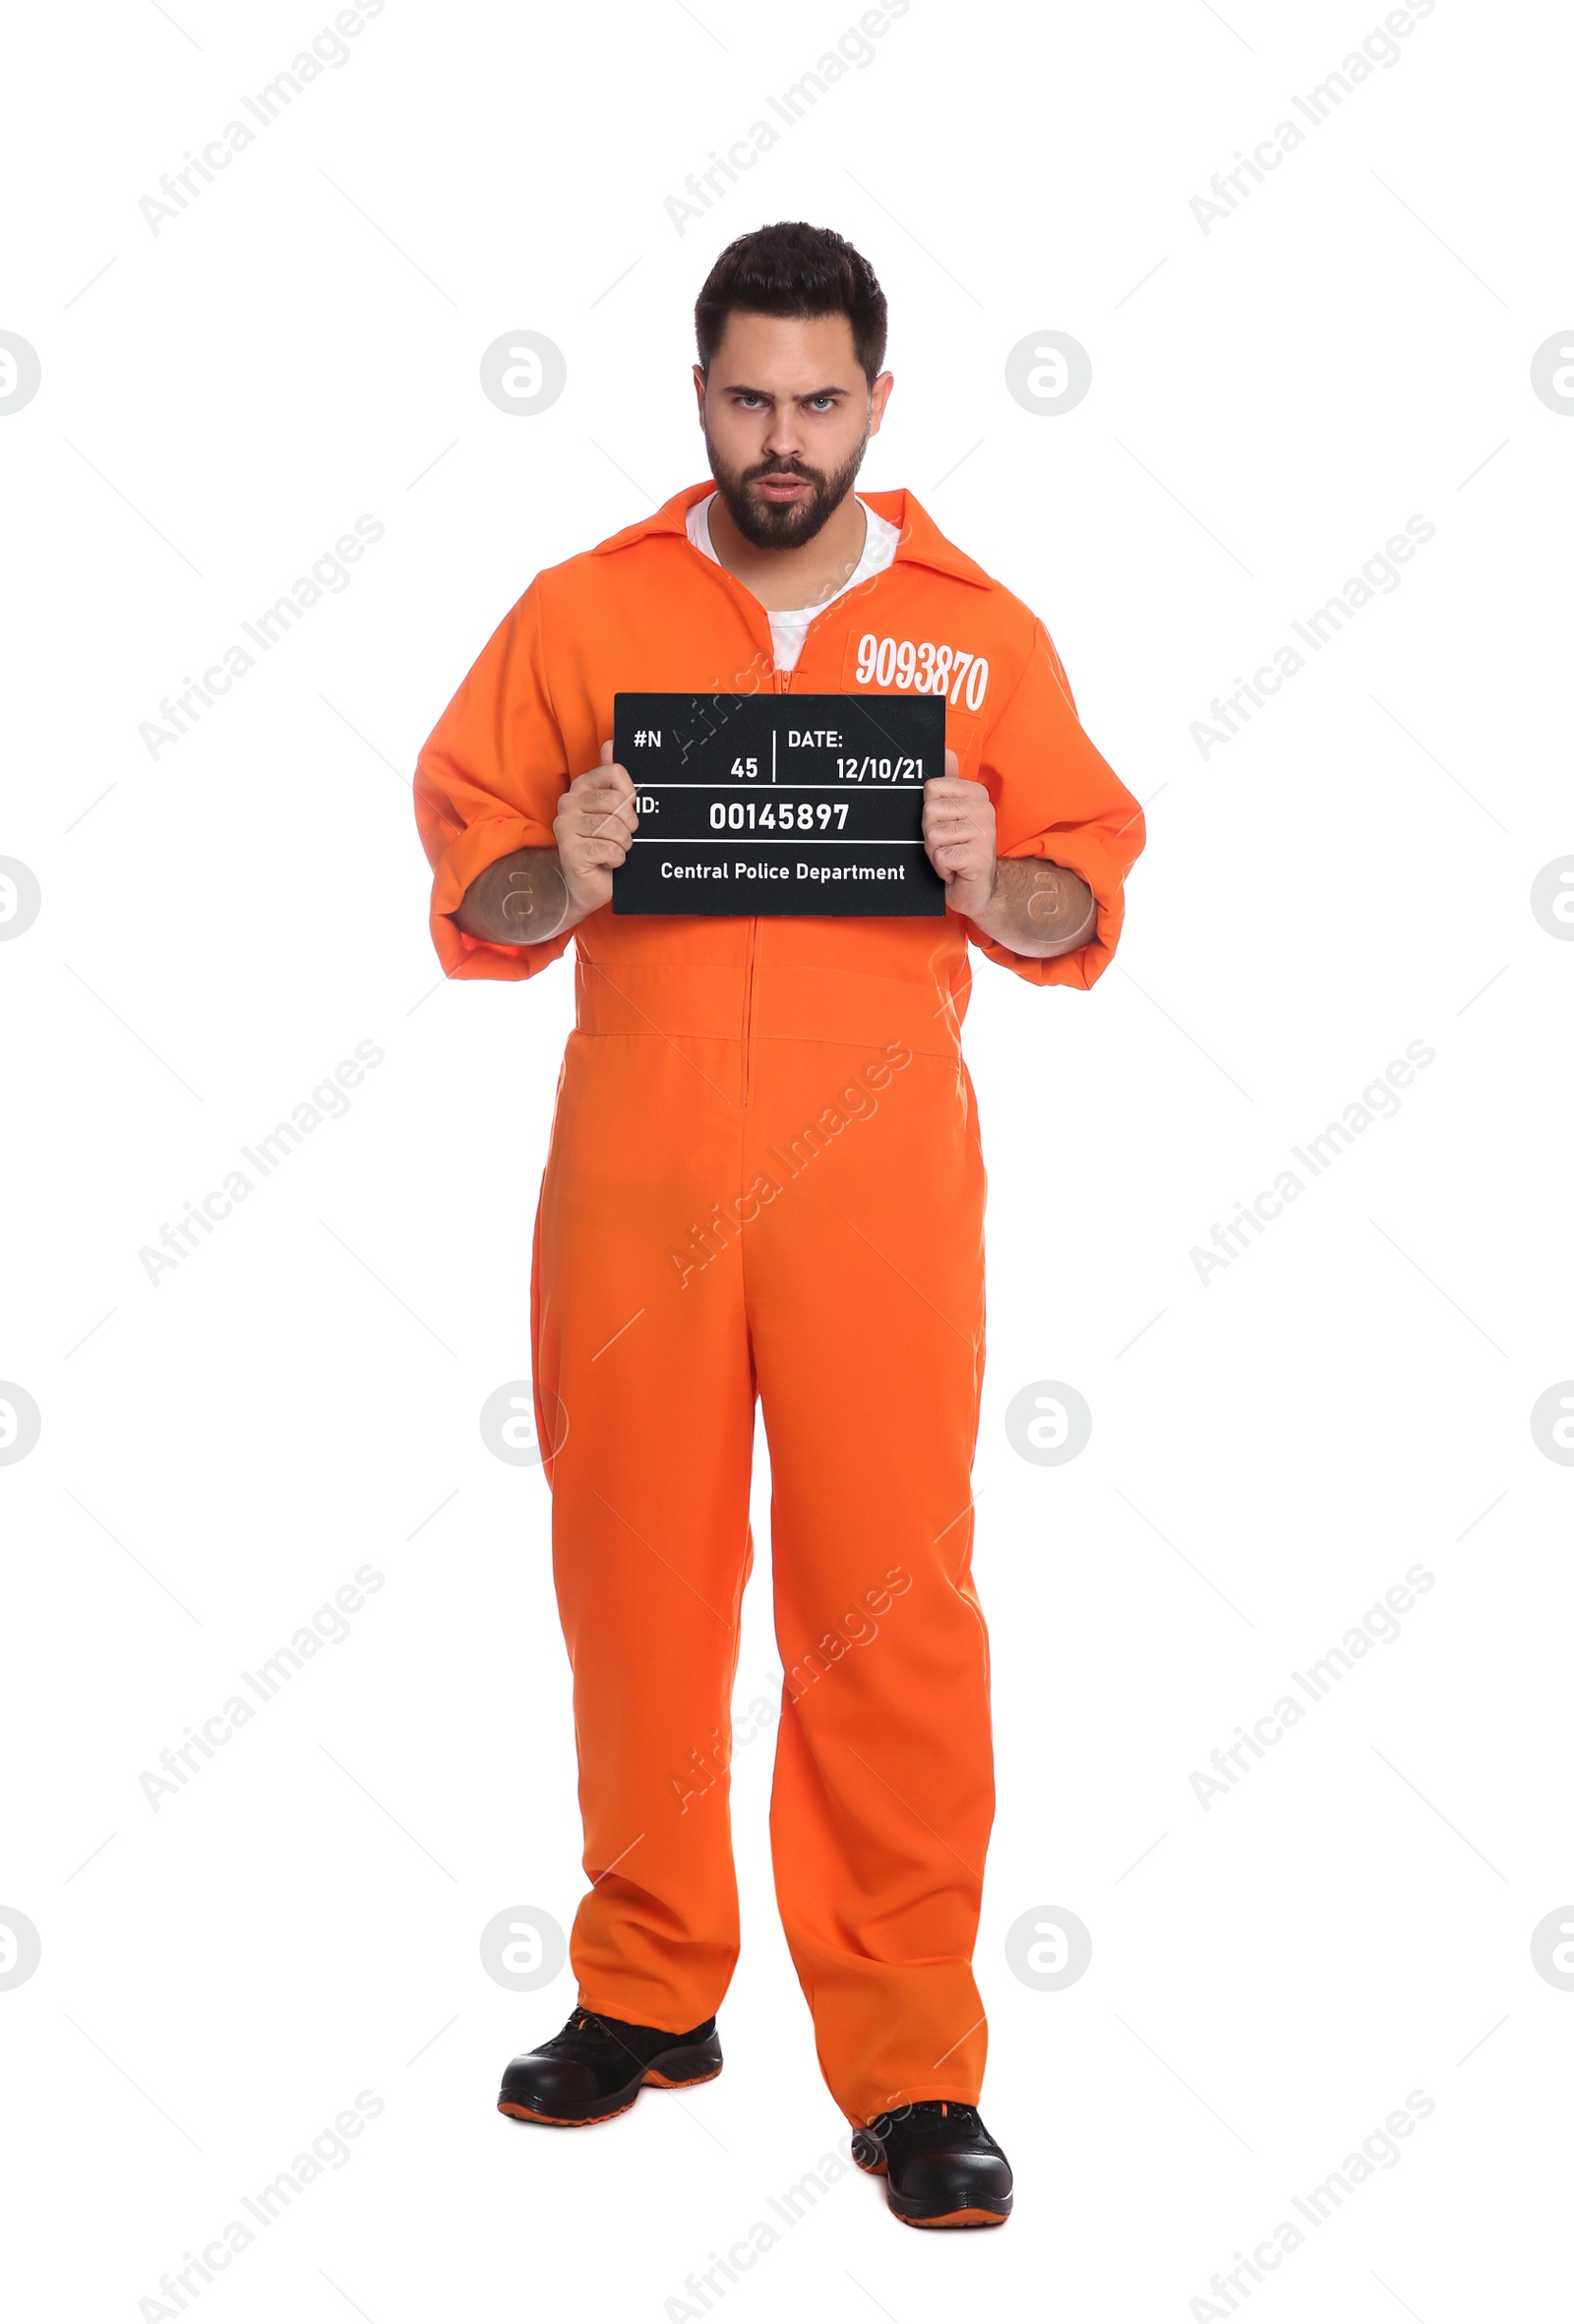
x: 522, y: 899
x: 536, y: 896
x: 1049, y: 906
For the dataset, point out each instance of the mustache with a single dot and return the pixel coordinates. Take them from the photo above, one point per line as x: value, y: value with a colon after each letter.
x: 796, y: 468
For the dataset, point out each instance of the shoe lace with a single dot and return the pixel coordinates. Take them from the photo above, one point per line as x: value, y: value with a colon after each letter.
x: 932, y: 2109
x: 583, y: 2027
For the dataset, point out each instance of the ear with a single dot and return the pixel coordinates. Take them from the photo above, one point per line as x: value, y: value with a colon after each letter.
x: 879, y: 396
x: 699, y: 393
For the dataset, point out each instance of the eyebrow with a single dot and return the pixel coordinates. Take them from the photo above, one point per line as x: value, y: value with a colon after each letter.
x: 741, y: 387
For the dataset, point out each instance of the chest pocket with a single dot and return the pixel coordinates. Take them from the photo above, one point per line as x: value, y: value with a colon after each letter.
x: 875, y: 661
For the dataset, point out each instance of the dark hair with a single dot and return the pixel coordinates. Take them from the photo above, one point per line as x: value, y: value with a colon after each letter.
x: 793, y: 268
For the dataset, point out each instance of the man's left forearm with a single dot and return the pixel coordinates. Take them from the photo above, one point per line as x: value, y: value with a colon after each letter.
x: 1036, y: 908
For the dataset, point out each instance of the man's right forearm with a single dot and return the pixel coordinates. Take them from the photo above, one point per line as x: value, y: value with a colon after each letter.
x: 520, y: 898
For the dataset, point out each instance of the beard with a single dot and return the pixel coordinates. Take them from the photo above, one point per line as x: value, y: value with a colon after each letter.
x: 766, y: 525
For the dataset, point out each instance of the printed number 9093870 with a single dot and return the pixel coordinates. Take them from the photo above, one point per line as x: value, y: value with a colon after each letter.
x: 926, y: 669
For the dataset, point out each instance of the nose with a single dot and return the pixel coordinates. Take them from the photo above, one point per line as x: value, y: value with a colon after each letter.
x: 784, y: 439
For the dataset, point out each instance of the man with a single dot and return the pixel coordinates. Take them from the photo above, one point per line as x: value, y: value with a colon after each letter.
x: 764, y: 1178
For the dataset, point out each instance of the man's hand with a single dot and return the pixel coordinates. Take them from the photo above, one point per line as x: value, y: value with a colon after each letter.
x: 541, y: 892
x: 1033, y: 908
x: 594, y: 824
x: 959, y: 840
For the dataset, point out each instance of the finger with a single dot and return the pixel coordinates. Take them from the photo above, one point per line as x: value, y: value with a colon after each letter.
x: 606, y: 753
x: 591, y: 827
x: 951, y: 823
x: 579, y: 831
x: 953, y: 766
x: 603, y: 782
x: 621, y: 819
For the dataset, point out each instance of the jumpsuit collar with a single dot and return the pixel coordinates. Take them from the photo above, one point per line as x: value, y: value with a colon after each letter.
x: 920, y: 540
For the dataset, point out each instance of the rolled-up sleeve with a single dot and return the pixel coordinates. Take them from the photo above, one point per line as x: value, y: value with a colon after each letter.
x: 1055, y: 798
x: 488, y: 781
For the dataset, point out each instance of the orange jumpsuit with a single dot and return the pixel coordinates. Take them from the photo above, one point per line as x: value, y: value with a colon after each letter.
x: 764, y: 1179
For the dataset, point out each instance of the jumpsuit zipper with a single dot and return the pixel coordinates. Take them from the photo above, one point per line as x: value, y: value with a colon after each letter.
x: 783, y: 684
x: 749, y: 1009
x: 782, y: 680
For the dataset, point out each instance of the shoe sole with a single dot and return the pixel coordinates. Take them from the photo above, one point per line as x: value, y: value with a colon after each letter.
x: 953, y: 2219
x: 624, y: 2100
x: 975, y: 2216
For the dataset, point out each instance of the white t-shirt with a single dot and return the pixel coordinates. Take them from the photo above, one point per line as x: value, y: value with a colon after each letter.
x: 789, y: 629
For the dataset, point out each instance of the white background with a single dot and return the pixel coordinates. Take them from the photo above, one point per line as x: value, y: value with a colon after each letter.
x: 221, y: 401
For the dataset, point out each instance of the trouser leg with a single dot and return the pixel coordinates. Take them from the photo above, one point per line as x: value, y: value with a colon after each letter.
x: 864, y: 1281
x: 650, y: 1387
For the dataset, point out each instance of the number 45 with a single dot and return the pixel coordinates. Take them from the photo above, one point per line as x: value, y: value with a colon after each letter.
x: 746, y: 766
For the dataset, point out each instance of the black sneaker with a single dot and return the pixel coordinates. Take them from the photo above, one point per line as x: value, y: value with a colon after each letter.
x: 597, y: 2066
x: 940, y: 2166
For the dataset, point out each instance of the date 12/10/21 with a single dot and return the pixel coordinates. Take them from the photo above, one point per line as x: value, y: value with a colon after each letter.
x: 922, y: 669
x: 850, y: 771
